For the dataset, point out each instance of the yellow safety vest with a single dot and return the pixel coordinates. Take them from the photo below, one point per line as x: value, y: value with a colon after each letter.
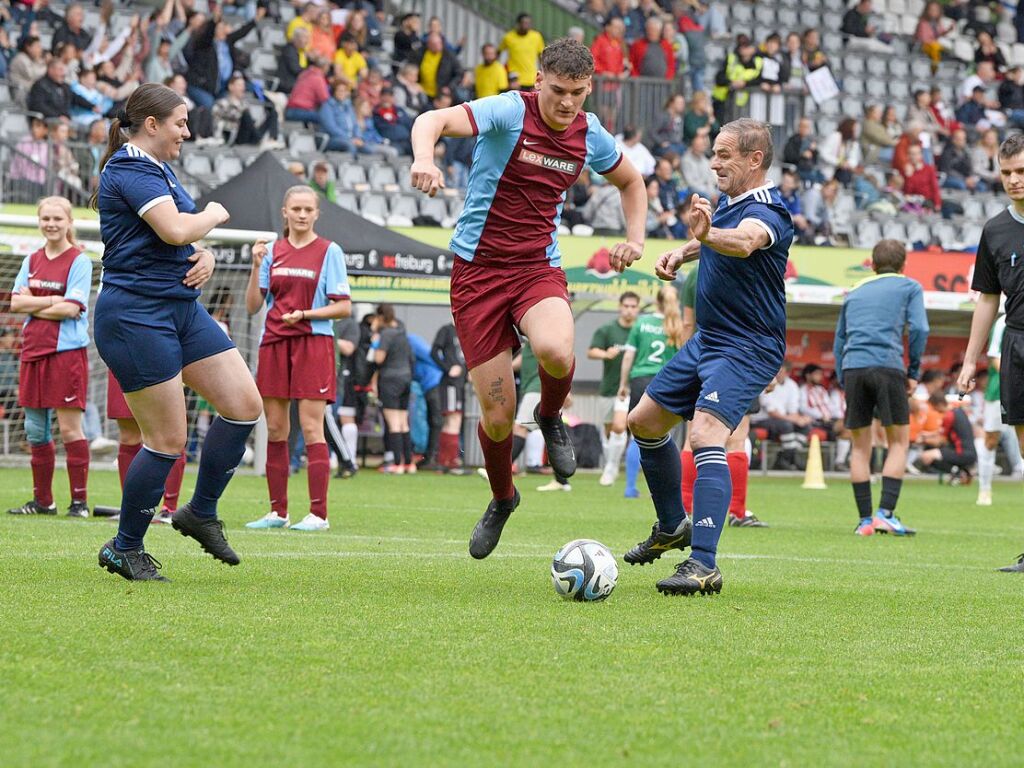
x: 737, y: 70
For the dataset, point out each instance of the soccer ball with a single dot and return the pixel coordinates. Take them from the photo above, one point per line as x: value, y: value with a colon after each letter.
x: 584, y: 570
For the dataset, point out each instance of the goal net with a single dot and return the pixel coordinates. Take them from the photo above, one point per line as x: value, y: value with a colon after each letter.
x: 223, y: 296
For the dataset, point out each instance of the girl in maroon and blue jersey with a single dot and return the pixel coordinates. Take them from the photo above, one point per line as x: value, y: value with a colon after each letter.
x: 303, y: 282
x: 52, y: 288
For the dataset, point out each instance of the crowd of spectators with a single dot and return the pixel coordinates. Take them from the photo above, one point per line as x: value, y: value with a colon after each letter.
x: 870, y: 162
x: 332, y: 74
x: 335, y: 74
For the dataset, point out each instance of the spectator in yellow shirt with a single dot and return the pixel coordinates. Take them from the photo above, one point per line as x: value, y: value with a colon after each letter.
x: 439, y: 67
x: 306, y: 20
x: 491, y: 77
x: 524, y: 45
x: 348, y: 61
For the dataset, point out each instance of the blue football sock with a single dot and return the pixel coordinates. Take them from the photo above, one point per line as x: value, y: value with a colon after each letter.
x: 143, y: 487
x: 632, y: 467
x: 222, y: 451
x: 660, y: 459
x: 711, y: 493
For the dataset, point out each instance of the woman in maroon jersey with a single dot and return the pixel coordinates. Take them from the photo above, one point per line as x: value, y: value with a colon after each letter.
x: 302, y: 279
x: 52, y: 288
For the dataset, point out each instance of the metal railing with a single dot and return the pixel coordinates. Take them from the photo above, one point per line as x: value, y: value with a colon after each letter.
x: 640, y: 101
x: 29, y: 172
x: 781, y: 111
x: 636, y: 101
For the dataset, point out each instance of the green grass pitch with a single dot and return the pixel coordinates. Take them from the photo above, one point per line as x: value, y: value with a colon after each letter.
x: 382, y: 643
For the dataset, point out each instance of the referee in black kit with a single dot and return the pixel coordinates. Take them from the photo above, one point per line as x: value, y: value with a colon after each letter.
x: 999, y: 268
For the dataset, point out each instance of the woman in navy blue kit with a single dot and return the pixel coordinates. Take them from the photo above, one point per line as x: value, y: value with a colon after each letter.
x: 154, y: 334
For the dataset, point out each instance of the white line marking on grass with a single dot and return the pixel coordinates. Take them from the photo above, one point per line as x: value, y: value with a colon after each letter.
x: 845, y: 561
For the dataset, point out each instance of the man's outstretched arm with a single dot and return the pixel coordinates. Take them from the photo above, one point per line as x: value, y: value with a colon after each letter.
x: 426, y: 132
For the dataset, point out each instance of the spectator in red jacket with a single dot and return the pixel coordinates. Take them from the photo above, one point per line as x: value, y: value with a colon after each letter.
x: 920, y: 178
x: 651, y: 56
x: 310, y: 91
x: 609, y: 49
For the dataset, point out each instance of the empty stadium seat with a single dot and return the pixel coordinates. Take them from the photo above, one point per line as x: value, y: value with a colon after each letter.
x: 899, y: 67
x: 741, y: 14
x: 809, y: 17
x: 272, y: 36
x: 788, y: 18
x: 894, y: 230
x: 264, y: 63
x: 974, y: 208
x: 196, y: 164
x: 919, y: 232
x: 763, y: 15
x: 227, y: 167
x: 854, y: 63
x: 302, y: 143
x: 994, y: 206
x: 351, y: 176
x: 866, y: 234
x: 374, y: 207
x: 13, y: 125
x: 382, y: 177
x: 434, y: 207
x: 348, y: 201
x: 455, y: 206
x: 404, y: 208
x: 970, y: 234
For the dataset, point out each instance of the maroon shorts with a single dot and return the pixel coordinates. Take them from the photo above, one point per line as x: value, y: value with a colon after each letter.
x: 117, y: 406
x: 488, y: 302
x: 59, y: 380
x: 297, y: 368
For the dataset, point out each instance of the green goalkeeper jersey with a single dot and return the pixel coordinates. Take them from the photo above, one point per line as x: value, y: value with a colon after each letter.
x: 647, y: 337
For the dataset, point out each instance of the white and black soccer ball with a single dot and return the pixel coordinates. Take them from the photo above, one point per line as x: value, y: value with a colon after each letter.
x: 584, y: 570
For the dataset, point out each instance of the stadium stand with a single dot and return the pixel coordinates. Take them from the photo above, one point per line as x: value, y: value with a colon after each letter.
x: 124, y: 38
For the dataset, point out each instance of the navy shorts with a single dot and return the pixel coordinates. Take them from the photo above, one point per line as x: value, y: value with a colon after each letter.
x: 723, y: 381
x: 146, y: 340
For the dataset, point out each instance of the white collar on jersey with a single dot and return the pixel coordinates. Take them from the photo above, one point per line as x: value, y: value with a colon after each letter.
x: 137, y: 151
x: 749, y: 192
x: 1013, y: 212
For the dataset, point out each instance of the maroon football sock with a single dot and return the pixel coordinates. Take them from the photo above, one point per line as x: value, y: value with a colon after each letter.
x: 125, y: 454
x: 318, y: 474
x: 553, y: 391
x: 498, y: 462
x: 43, y: 459
x: 172, y: 486
x: 277, y: 475
x: 77, y: 460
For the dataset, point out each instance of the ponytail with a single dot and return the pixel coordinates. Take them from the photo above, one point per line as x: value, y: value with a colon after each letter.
x: 116, y: 139
x: 668, y: 303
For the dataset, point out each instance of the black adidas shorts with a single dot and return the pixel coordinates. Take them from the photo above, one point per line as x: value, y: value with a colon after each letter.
x: 1011, y: 380
x: 875, y: 393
